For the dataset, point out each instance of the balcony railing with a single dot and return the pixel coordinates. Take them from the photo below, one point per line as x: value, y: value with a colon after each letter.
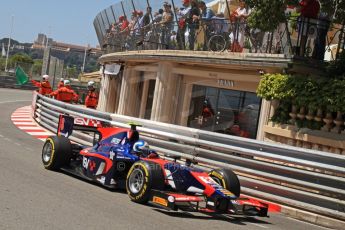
x: 297, y: 36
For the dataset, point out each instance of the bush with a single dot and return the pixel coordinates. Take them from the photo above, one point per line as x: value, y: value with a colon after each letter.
x: 274, y: 86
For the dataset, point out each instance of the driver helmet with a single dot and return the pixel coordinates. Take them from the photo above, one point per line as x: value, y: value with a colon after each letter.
x: 45, y: 77
x: 91, y: 84
x: 140, y: 146
x: 61, y: 79
x: 66, y: 82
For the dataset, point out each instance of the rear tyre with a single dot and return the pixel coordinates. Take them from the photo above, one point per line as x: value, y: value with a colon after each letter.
x: 227, y: 179
x: 141, y: 179
x: 217, y: 43
x: 56, y: 152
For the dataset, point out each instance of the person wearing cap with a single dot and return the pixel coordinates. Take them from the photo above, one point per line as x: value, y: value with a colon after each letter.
x: 65, y: 93
x: 44, y: 85
x: 123, y: 23
x: 91, y: 99
x: 167, y: 26
x: 183, y: 14
x: 61, y: 84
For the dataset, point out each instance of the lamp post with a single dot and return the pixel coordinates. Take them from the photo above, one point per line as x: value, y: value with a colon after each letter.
x: 83, y: 67
x: 9, y: 42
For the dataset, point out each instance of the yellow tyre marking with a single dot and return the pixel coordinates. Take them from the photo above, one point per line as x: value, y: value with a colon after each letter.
x: 53, y: 152
x: 142, y: 192
x: 220, y: 177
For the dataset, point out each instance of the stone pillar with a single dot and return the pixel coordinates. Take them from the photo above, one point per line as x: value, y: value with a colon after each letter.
x: 186, y: 99
x: 103, y: 93
x: 110, y: 106
x: 144, y: 98
x: 263, y: 119
x: 166, y: 94
x: 130, y: 96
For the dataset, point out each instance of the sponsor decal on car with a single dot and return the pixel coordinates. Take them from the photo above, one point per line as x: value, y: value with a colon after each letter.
x: 159, y: 200
x: 87, y: 122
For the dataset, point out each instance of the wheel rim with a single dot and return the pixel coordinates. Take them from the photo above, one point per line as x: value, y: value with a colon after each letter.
x: 217, y: 180
x: 47, y: 151
x: 136, y: 181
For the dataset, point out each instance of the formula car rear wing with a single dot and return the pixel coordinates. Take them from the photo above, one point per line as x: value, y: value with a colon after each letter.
x: 67, y: 124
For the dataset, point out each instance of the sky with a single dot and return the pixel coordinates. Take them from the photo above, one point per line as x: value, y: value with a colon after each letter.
x: 69, y: 21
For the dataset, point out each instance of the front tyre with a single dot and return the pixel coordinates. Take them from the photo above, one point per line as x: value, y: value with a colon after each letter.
x: 141, y: 179
x: 227, y: 179
x: 56, y: 152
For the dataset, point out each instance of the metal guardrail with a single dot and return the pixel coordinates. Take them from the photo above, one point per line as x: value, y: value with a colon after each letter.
x: 306, y: 179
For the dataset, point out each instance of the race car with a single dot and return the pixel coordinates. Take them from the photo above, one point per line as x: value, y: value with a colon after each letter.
x: 119, y: 159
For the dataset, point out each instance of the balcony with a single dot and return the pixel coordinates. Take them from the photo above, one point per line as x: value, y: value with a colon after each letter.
x: 300, y: 38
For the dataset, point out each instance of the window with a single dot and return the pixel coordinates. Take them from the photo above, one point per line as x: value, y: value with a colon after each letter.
x: 224, y: 111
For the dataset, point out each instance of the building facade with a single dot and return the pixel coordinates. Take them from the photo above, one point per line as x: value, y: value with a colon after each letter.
x: 209, y: 92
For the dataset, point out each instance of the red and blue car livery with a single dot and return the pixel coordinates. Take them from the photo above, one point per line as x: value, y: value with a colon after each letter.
x: 145, y: 175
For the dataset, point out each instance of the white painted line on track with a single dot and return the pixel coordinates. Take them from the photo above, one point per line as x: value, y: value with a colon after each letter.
x: 22, y: 123
x: 21, y: 119
x: 4, y: 102
x: 7, y: 139
x: 314, y: 225
x: 39, y: 133
x: 1, y: 136
x: 258, y: 225
x: 30, y: 128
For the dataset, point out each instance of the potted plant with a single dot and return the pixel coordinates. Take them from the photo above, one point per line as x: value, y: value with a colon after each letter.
x: 337, y: 98
x: 274, y: 88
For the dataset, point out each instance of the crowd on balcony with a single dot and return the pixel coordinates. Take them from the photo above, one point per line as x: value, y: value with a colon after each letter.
x: 194, y: 25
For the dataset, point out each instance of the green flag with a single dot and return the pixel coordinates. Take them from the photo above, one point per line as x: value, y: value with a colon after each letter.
x: 21, y: 76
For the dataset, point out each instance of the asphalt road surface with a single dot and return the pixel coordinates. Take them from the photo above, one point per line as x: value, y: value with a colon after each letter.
x: 34, y: 198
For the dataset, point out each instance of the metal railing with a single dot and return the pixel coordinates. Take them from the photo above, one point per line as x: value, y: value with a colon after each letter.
x: 306, y: 179
x: 302, y: 37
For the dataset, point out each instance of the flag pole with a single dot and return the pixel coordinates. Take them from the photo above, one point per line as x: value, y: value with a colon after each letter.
x: 9, y: 42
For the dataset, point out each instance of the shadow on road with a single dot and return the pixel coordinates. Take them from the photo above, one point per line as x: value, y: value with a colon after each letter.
x: 239, y: 220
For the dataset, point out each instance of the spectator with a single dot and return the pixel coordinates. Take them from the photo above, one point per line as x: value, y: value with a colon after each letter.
x: 206, y: 15
x: 61, y: 84
x: 123, y: 23
x: 158, y: 16
x: 193, y: 23
x: 65, y: 94
x: 173, y: 40
x: 323, y: 25
x: 239, y: 16
x: 147, y: 17
x: 309, y: 10
x: 134, y: 20
x: 167, y: 26
x: 206, y: 12
x: 183, y: 14
x: 44, y: 85
x: 91, y: 100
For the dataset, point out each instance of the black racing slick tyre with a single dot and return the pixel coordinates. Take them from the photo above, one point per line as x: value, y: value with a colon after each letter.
x: 227, y: 179
x: 56, y: 152
x: 141, y: 179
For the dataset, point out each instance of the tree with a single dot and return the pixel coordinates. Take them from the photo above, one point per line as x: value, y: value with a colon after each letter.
x: 21, y: 58
x: 37, y: 67
x: 267, y: 14
x: 72, y: 72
